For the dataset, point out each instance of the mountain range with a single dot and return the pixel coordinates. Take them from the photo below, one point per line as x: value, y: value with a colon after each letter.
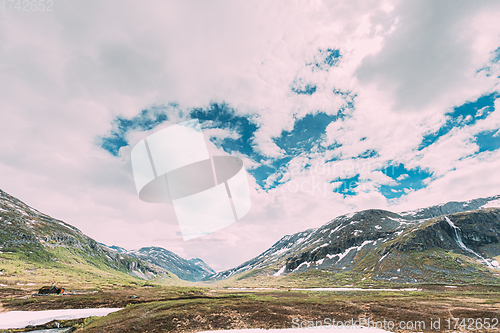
x: 452, y: 242
x: 455, y: 242
x: 194, y: 269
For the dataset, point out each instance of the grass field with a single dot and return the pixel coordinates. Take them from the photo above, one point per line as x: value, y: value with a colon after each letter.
x: 158, y: 308
x: 168, y: 304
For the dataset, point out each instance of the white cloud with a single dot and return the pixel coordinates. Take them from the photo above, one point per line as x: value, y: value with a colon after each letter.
x: 471, y: 179
x: 66, y: 75
x: 430, y: 57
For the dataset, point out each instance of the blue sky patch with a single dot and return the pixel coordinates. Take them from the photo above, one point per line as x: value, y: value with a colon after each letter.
x: 488, y: 140
x: 306, y: 136
x: 461, y: 116
x: 332, y: 56
x: 145, y: 120
x: 347, y: 96
x: 216, y: 115
x: 263, y: 172
x: 348, y: 185
x: 368, y: 154
x: 406, y: 179
x: 326, y: 58
x: 301, y: 88
x: 496, y: 55
x: 220, y: 115
x: 488, y: 70
x: 306, y: 133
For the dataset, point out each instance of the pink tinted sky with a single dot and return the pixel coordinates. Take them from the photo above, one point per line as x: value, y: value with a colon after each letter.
x: 67, y: 74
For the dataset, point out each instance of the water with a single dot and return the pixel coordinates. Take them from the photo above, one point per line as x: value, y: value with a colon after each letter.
x: 353, y: 289
x: 21, y: 319
x: 54, y: 330
x: 332, y: 289
x: 462, y: 245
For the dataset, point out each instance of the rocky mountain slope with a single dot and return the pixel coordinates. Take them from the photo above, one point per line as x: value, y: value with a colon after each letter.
x: 452, y: 207
x: 190, y: 270
x: 31, y: 241
x: 411, y: 247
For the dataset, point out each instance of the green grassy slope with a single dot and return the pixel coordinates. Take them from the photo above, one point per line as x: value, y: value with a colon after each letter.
x: 37, y: 249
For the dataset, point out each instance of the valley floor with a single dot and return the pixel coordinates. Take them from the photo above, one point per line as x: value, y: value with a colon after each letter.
x: 193, y: 309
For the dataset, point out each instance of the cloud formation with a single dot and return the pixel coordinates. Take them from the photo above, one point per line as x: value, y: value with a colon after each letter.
x: 333, y: 106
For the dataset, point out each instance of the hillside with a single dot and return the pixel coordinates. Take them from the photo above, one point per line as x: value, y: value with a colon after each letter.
x: 36, y: 248
x: 193, y: 269
x: 377, y: 246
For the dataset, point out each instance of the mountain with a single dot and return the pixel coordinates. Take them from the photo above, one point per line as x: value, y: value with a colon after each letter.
x: 377, y: 245
x: 190, y: 270
x: 35, y: 246
x: 116, y: 248
x: 452, y: 207
x: 202, y: 265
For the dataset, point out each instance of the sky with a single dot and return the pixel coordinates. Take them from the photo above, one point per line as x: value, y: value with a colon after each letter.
x: 333, y: 106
